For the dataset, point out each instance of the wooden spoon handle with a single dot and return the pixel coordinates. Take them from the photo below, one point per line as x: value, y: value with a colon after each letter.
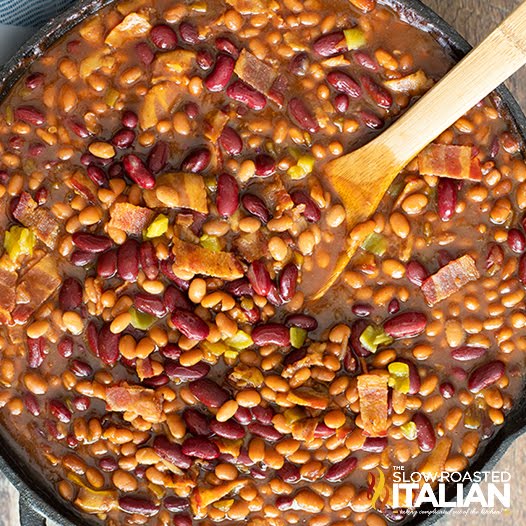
x: 500, y: 55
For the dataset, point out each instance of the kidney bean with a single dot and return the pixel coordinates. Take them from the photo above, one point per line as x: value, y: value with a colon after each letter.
x: 78, y: 128
x: 394, y: 306
x: 269, y: 433
x: 188, y: 33
x: 299, y: 64
x: 158, y: 157
x: 259, y: 277
x: 341, y: 103
x: 35, y: 149
x: 150, y: 304
x: 29, y: 115
x: 303, y: 321
x: 60, y: 411
x: 85, y: 159
x: 137, y: 172
x: 91, y: 243
x: 227, y: 199
x: 242, y: 92
x: 128, y: 260
x: 467, y: 353
x: 230, y: 429
x: 416, y: 273
x: 341, y: 470
x: 163, y: 37
x: 362, y: 310
x: 196, y: 422
x: 425, y: 434
x: 446, y: 198
x: 16, y: 142
x: 65, y: 347
x: 70, y: 295
x: 81, y: 403
x: 289, y: 473
x: 447, y: 390
x: 263, y: 415
x: 156, y: 381
x: 35, y: 80
x: 243, y: 415
x: 108, y: 345
x: 220, y: 76
x: 344, y: 83
x: 486, y: 375
x: 92, y: 337
x: 171, y: 452
x: 380, y: 96
x: 31, y: 403
x: 459, y: 373
x: 239, y: 287
x: 175, y: 299
x: 330, y: 44
x: 371, y: 120
x: 516, y: 241
x: 176, y: 504
x: 182, y: 520
x: 116, y: 170
x: 36, y: 352
x: 186, y: 373
x: 138, y: 506
x: 97, y: 175
x: 123, y: 138
x: 374, y: 444
x: 302, y: 116
x: 107, y: 264
x: 200, y: 448
x: 265, y: 165
x: 129, y: 119
x: 288, y: 280
x: 148, y: 260
x: 144, y: 53
x: 522, y: 269
x: 231, y: 141
x: 81, y: 369
x: 294, y: 356
x: 365, y: 60
x: 197, y: 161
x: 81, y: 258
x: 108, y: 464
x: 209, y: 393
x: 444, y: 257
x: 406, y: 325
x: 284, y: 502
x: 255, y: 206
x: 190, y: 324
x: 204, y: 59
x: 312, y: 212
x: 357, y: 329
x: 271, y: 333
x: 273, y: 296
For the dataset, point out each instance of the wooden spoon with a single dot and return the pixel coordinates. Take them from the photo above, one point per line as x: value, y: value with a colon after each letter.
x: 362, y: 177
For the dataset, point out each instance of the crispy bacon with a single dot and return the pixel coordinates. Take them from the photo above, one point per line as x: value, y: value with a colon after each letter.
x: 8, y: 279
x: 173, y: 66
x: 215, y: 123
x: 449, y: 279
x: 135, y: 399
x: 202, y: 497
x: 436, y: 460
x: 255, y: 72
x: 448, y: 160
x: 198, y: 260
x: 308, y: 397
x: 251, y: 246
x: 130, y: 218
x: 134, y: 25
x: 82, y: 185
x: 372, y: 391
x: 157, y: 103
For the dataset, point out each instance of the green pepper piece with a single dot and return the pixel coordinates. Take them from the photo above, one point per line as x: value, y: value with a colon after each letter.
x: 297, y: 337
x: 355, y: 38
x: 375, y: 244
x: 141, y: 320
x: 374, y: 336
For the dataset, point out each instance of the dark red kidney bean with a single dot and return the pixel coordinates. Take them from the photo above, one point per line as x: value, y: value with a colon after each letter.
x: 289, y: 473
x: 259, y: 278
x: 81, y: 403
x: 357, y: 329
x: 163, y: 37
x: 365, y: 60
x: 92, y: 337
x: 243, y: 415
x: 29, y: 115
x: 447, y: 390
x: 150, y: 304
x: 35, y: 80
x: 91, y: 242
x: 302, y: 116
x: 190, y: 324
x: 138, y: 506
x: 299, y: 64
x: 230, y: 430
x: 220, y: 76
x: 242, y: 92
x: 394, y: 306
x: 108, y: 464
x: 265, y: 165
x: 78, y: 128
x: 341, y: 103
x: 516, y: 240
x: 209, y: 393
x: 459, y: 373
x: 35, y: 149
x: 303, y: 321
x: 81, y: 258
x: 196, y: 422
x: 263, y: 415
x: 271, y: 333
x: 16, y: 142
x: 31, y: 403
x: 253, y: 315
x: 123, y: 138
x: 182, y: 520
x: 256, y: 206
x: 371, y: 120
x: 231, y: 141
x: 362, y: 310
x: 486, y: 375
x: 176, y: 504
x: 191, y: 109
x: 331, y: 44
x: 312, y: 212
x: 414, y: 376
x: 269, y: 433
x: 116, y: 170
x: 144, y: 53
x: 443, y: 257
x: 227, y: 46
x: 204, y: 59
x: 239, y: 287
x: 81, y: 369
x: 108, y: 345
x: 341, y: 470
x: 522, y: 269
x: 137, y: 172
x: 467, y: 353
x: 374, y: 444
x: 293, y: 356
x: 171, y: 452
x: 425, y: 434
x: 416, y: 273
x: 107, y: 264
x: 197, y: 161
x: 86, y: 159
x: 36, y: 352
x: 129, y: 119
x: 158, y: 157
x: 156, y: 381
x: 344, y: 83
x: 446, y: 198
x: 97, y: 175
x: 188, y: 32
x: 171, y: 351
x: 128, y: 260
x: 166, y: 269
x: 59, y: 410
x: 148, y: 260
x: 186, y: 373
x: 175, y: 299
x: 380, y: 96
x: 65, y: 347
x: 284, y: 502
x: 406, y: 325
x: 21, y: 314
x: 200, y: 448
x: 227, y: 199
x: 70, y: 295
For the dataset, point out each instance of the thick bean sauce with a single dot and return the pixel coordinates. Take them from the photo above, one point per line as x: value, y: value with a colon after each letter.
x: 165, y: 221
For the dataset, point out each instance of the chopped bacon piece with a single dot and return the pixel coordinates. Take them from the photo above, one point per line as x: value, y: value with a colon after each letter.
x: 95, y: 502
x: 134, y: 25
x: 202, y: 497
x: 449, y: 279
x: 144, y: 368
x: 198, y: 260
x: 130, y: 218
x: 39, y: 282
x: 178, y: 190
x: 82, y: 185
x: 372, y: 391
x: 436, y: 460
x: 173, y: 66
x: 8, y: 279
x: 251, y: 7
x: 308, y: 397
x: 413, y: 84
x: 157, y: 103
x: 41, y: 220
x: 304, y: 430
x: 255, y: 72
x: 278, y: 90
x: 251, y: 246
x: 215, y: 123
x: 135, y: 399
x: 448, y: 160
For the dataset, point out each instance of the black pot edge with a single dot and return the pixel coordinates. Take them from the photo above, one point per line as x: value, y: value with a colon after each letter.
x: 35, y: 504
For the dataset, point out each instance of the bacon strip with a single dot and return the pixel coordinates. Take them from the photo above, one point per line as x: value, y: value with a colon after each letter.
x: 255, y: 72
x: 308, y: 397
x: 173, y: 66
x: 448, y: 160
x: 434, y: 464
x: 372, y: 391
x: 8, y: 279
x: 134, y: 25
x: 158, y: 102
x: 130, y: 218
x: 449, y: 279
x: 135, y: 399
x: 83, y: 186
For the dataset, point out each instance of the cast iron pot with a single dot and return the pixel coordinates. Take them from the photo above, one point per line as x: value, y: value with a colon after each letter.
x: 38, y: 502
